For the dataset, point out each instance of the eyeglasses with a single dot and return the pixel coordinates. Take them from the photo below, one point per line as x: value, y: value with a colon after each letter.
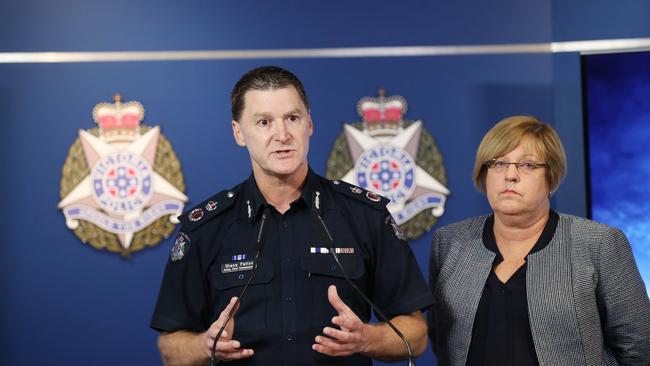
x: 524, y: 167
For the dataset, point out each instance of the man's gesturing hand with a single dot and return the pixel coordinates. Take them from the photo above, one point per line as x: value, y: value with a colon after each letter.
x: 351, y: 338
x: 227, y: 348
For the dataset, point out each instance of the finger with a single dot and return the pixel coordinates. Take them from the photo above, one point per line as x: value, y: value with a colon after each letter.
x: 228, y: 346
x: 328, y: 351
x: 212, y: 332
x: 341, y: 336
x: 236, y: 354
x: 217, y: 324
x: 226, y: 311
x: 222, y: 345
x: 335, y: 300
x: 349, y: 322
x: 331, y: 347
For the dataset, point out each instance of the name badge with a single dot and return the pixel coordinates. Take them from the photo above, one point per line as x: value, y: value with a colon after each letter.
x: 237, y: 266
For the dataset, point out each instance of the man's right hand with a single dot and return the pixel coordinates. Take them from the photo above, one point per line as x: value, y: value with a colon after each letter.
x: 227, y: 349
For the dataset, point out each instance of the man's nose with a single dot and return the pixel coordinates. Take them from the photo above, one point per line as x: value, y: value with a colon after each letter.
x: 281, y: 133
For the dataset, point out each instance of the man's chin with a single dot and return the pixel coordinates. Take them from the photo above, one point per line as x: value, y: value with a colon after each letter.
x: 284, y: 170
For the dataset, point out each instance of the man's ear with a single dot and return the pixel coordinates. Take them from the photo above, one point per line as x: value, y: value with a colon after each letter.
x: 236, y: 132
x: 311, y: 125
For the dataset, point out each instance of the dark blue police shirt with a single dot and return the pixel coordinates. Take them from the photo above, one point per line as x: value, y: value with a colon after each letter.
x: 286, y: 305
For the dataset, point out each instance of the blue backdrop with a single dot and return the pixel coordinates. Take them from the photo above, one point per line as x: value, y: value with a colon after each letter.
x: 617, y: 105
x: 65, y: 303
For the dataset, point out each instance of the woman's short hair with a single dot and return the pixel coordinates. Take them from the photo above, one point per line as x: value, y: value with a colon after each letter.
x: 506, y: 135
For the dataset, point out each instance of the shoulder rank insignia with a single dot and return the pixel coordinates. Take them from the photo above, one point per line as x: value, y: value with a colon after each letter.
x: 360, y: 194
x: 208, y: 209
x: 196, y: 214
x: 374, y: 197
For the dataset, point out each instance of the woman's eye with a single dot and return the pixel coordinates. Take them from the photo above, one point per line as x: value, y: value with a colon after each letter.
x: 500, y: 164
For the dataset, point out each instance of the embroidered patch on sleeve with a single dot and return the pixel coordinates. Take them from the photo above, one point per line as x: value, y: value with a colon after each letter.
x: 181, y: 246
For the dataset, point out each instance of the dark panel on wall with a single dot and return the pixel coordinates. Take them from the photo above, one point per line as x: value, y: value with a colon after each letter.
x: 571, y: 197
x: 599, y: 19
x: 38, y: 25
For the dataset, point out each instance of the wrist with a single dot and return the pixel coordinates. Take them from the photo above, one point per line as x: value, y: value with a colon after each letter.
x: 370, y: 332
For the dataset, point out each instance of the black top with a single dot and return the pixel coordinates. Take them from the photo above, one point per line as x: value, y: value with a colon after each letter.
x: 501, y: 334
x: 286, y: 305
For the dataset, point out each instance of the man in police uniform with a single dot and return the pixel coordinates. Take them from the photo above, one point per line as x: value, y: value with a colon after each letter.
x: 299, y: 310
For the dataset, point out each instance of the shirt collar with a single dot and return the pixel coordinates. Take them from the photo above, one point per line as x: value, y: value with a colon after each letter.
x: 490, y: 242
x: 312, y: 192
x: 254, y: 202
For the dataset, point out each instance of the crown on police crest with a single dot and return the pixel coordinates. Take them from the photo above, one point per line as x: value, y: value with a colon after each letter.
x: 382, y: 115
x: 118, y: 122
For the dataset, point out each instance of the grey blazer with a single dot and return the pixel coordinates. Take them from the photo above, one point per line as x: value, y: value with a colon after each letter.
x: 587, y: 304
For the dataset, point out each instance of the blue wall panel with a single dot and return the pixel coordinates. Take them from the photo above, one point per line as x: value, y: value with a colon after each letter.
x: 65, y: 303
x: 599, y: 19
x: 71, y: 292
x: 78, y: 25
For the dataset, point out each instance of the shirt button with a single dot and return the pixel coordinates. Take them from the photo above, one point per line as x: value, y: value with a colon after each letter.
x: 288, y: 299
x: 333, y: 268
x: 289, y: 338
x: 241, y: 276
x: 284, y: 223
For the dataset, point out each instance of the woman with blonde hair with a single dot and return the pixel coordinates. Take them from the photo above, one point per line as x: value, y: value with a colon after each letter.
x: 527, y: 285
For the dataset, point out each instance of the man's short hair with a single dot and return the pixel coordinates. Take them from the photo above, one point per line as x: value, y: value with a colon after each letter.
x: 506, y: 135
x: 263, y: 78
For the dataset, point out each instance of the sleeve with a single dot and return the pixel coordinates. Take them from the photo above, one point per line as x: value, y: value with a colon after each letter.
x: 434, y: 268
x: 622, y: 301
x: 399, y: 287
x: 183, y: 300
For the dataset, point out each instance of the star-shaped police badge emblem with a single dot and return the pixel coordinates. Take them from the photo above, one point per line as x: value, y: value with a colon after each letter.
x: 122, y: 187
x: 395, y: 158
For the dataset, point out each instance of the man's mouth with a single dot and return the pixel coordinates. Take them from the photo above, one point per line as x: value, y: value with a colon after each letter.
x: 282, y: 153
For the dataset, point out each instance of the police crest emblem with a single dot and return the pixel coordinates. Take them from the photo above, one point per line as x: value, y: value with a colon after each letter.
x: 122, y: 186
x: 395, y: 158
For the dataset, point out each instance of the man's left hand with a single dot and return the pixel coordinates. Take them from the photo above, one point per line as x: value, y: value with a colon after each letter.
x: 351, y: 337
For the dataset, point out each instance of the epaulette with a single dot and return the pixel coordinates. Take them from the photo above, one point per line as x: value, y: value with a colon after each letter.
x: 208, y: 209
x: 350, y: 190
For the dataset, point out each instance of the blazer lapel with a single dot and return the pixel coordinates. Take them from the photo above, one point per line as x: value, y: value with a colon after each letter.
x: 460, y: 286
x: 551, y: 306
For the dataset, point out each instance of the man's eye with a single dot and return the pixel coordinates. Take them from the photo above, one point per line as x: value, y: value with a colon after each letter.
x: 263, y: 122
x: 294, y: 118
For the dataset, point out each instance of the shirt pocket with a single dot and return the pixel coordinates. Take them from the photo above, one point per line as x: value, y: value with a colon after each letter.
x: 323, y: 271
x: 254, y: 305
